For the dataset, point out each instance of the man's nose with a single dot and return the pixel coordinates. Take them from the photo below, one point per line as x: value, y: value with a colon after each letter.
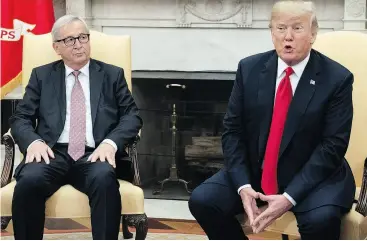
x: 77, y: 44
x: 289, y: 34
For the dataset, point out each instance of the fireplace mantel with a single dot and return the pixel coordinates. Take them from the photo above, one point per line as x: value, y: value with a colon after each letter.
x: 183, y: 75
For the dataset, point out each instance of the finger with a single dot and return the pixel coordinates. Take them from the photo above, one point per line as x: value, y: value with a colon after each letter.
x: 255, y: 208
x: 264, y: 224
x: 111, y: 160
x: 102, y: 157
x: 264, y: 198
x: 263, y: 215
x: 249, y: 212
x: 31, y: 158
x: 254, y: 194
x: 95, y: 157
x: 38, y: 157
x: 44, y: 155
x: 112, y: 156
x: 27, y: 158
x: 258, y: 212
x: 50, y: 152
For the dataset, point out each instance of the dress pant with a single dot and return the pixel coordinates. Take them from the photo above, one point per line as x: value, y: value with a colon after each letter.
x: 215, y: 203
x: 38, y: 181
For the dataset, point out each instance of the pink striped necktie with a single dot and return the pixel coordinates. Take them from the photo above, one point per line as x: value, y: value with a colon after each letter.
x: 77, y: 136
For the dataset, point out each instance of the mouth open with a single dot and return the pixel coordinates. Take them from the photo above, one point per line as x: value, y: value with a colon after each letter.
x: 288, y: 48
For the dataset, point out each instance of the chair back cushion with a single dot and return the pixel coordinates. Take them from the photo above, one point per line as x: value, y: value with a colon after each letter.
x: 111, y: 49
x: 350, y: 50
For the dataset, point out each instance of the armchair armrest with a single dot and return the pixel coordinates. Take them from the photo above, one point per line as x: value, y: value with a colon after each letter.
x: 8, y: 166
x: 133, y: 154
x: 362, y: 200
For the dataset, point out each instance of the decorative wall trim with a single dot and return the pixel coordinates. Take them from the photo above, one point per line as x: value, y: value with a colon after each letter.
x: 356, y: 8
x: 355, y: 15
x: 203, y: 13
x: 153, y: 23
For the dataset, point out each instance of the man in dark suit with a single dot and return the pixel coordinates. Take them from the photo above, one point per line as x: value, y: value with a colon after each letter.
x: 85, y: 115
x: 287, y: 129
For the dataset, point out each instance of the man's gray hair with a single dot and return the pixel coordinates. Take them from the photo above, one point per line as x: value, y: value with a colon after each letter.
x: 296, y: 7
x: 62, y: 21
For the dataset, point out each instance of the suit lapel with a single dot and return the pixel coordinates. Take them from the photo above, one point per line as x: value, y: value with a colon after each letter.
x: 266, y: 92
x: 58, y: 79
x: 96, y: 80
x: 302, y: 96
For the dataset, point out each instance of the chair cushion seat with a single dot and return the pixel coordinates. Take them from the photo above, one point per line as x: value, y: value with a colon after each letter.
x: 67, y: 202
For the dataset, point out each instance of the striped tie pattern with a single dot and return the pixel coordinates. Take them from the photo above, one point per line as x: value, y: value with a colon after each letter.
x: 77, y: 131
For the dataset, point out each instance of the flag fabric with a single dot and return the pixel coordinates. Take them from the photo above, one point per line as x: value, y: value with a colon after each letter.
x: 20, y: 17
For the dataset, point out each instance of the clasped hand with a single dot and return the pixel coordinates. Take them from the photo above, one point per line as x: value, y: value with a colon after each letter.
x: 260, y: 218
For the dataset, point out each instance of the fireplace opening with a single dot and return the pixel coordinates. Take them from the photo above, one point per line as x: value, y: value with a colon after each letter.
x: 197, y: 111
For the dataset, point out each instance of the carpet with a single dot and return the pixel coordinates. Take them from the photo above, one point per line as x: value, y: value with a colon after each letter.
x: 88, y: 236
x: 159, y: 229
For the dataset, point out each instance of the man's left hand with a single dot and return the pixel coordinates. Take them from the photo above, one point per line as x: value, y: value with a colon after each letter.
x: 277, y: 206
x: 104, y: 152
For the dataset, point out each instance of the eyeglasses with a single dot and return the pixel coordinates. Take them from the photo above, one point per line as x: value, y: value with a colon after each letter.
x: 70, y: 41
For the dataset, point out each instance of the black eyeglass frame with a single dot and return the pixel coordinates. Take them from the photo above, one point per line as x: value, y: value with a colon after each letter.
x: 74, y: 39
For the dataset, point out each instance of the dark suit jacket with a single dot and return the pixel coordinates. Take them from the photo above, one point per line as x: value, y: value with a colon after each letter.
x: 311, y: 166
x: 114, y: 112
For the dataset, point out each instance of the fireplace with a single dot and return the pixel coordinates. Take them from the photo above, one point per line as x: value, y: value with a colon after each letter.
x: 199, y: 110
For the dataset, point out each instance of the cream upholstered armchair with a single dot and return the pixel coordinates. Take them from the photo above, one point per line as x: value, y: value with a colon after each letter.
x: 350, y: 50
x: 116, y: 50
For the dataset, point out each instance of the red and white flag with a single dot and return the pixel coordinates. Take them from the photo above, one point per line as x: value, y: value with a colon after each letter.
x: 20, y: 17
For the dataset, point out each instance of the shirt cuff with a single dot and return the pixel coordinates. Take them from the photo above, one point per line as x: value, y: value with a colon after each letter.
x: 242, y: 187
x: 34, y: 142
x: 111, y: 142
x: 290, y: 198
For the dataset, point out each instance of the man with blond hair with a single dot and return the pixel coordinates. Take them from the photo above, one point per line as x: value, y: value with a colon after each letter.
x: 287, y: 129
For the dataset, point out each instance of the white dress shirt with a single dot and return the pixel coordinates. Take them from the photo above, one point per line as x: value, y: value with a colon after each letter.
x: 85, y: 83
x: 294, y: 78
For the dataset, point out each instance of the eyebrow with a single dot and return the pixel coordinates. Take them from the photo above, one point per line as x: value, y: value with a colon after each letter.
x: 294, y: 24
x: 75, y: 36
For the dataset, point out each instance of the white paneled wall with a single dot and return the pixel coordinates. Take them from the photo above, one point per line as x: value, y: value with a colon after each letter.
x: 201, y: 35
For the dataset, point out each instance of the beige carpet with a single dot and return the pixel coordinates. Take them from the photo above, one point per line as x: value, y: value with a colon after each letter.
x: 88, y: 236
x: 159, y: 229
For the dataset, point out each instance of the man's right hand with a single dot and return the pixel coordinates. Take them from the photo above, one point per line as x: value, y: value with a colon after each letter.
x: 249, y: 196
x: 38, y: 150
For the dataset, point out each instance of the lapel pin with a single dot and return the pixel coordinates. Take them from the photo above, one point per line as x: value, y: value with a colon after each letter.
x: 312, y: 82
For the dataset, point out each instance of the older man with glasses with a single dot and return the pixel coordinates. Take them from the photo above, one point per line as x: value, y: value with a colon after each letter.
x: 85, y: 114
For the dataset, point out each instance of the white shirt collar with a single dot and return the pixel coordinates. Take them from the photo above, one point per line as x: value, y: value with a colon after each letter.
x: 84, y: 70
x: 298, y: 68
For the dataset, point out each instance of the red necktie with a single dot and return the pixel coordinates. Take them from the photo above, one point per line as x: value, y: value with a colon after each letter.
x: 283, y: 98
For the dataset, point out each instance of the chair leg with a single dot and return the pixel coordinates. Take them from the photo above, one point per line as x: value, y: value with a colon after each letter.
x: 140, y: 222
x: 125, y: 228
x: 285, y: 237
x: 4, y: 222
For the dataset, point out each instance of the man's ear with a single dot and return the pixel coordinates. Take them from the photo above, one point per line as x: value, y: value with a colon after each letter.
x: 56, y: 48
x: 313, y: 38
